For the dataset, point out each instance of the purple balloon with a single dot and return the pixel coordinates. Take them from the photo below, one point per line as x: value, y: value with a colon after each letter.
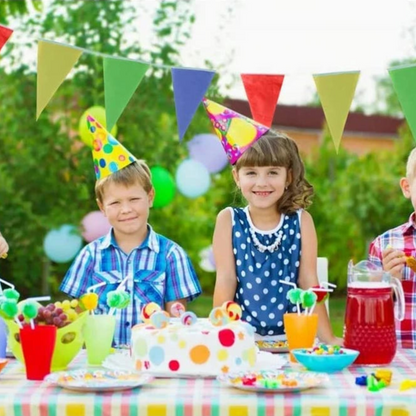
x: 211, y: 257
x: 207, y: 149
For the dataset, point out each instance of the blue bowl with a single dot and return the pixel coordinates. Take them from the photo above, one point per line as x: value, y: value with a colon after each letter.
x: 325, y: 363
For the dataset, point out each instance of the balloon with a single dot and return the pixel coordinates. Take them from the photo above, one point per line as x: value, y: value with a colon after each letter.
x: 206, y: 262
x: 192, y: 178
x: 95, y: 225
x: 164, y: 185
x: 207, y: 149
x: 99, y: 114
x: 62, y: 244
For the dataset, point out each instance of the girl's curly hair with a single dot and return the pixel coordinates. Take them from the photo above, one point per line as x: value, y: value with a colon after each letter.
x: 277, y: 149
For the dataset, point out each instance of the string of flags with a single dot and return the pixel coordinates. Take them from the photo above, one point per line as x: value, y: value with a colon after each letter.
x: 122, y: 77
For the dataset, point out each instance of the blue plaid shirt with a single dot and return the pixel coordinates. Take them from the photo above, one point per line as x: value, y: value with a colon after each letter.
x: 159, y: 269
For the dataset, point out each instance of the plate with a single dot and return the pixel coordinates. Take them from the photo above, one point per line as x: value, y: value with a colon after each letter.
x: 274, y: 346
x: 273, y: 381
x: 98, y: 380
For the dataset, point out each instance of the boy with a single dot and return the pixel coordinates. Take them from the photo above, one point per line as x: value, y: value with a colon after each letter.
x: 4, y: 247
x: 390, y: 251
x: 155, y: 269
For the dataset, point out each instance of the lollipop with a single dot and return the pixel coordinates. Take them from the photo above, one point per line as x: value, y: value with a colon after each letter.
x: 89, y: 301
x: 188, y: 318
x: 308, y: 299
x: 219, y: 317
x: 148, y: 310
x: 160, y: 319
x: 295, y: 296
x: 11, y: 294
x: 117, y: 299
x: 177, y: 309
x: 30, y: 311
x: 233, y: 310
x: 9, y: 310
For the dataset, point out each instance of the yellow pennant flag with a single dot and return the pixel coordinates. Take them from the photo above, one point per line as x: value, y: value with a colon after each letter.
x: 336, y: 92
x: 54, y: 63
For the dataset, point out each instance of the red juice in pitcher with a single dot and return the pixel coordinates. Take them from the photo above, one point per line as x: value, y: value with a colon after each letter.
x: 370, y: 314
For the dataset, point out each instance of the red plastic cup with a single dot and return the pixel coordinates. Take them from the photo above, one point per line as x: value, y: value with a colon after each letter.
x: 38, y: 345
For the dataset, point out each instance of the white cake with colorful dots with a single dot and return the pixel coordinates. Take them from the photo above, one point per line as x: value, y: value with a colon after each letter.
x: 188, y: 346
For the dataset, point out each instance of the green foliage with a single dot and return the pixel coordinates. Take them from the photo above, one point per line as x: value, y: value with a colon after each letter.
x: 13, y: 8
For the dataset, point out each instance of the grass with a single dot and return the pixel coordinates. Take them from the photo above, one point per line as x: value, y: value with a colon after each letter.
x: 203, y: 304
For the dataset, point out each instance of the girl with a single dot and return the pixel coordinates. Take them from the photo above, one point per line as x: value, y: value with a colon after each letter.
x: 256, y: 246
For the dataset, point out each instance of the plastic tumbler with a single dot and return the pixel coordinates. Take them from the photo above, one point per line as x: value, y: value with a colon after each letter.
x: 3, y: 339
x: 300, y: 331
x: 98, y: 336
x: 38, y: 345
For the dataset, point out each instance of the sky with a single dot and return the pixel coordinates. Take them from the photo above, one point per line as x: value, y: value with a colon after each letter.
x: 302, y: 37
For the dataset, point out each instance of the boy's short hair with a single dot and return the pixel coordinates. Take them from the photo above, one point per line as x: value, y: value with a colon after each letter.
x: 136, y: 173
x: 411, y: 165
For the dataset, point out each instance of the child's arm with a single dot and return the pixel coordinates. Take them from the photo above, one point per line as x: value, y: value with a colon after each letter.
x: 226, y: 280
x: 308, y: 276
x: 4, y: 247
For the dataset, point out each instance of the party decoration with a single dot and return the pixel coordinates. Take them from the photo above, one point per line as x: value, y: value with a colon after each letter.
x: 54, y: 63
x: 98, y: 113
x: 336, y: 92
x: 177, y: 309
x: 121, y: 78
x: 62, y: 244
x: 109, y: 155
x: 233, y: 310
x: 164, y: 185
x: 206, y: 149
x: 404, y: 83
x: 89, y: 301
x: 5, y: 33
x: 95, y: 225
x: 160, y: 319
x: 188, y: 318
x: 117, y: 299
x: 236, y: 132
x: 262, y: 92
x: 189, y: 87
x: 149, y: 309
x: 192, y: 178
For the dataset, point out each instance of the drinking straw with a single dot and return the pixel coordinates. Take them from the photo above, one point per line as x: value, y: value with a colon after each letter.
x: 6, y: 283
x: 296, y: 295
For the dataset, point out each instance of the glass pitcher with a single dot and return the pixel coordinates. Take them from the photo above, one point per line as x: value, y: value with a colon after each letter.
x: 370, y: 313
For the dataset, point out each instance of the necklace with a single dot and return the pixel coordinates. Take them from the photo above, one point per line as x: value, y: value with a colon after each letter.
x: 261, y: 247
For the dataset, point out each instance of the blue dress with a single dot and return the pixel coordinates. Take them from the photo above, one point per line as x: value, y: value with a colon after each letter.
x: 260, y: 294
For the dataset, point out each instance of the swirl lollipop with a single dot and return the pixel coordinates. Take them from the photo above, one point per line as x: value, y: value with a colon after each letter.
x: 219, y: 317
x: 148, y: 310
x: 233, y: 310
x: 188, y: 318
x: 30, y: 312
x: 160, y: 319
x: 177, y: 309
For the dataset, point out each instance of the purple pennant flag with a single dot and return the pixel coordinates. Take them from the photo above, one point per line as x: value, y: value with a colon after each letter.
x: 189, y: 87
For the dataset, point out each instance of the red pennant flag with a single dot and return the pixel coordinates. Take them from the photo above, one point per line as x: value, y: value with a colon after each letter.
x: 262, y: 92
x: 5, y: 33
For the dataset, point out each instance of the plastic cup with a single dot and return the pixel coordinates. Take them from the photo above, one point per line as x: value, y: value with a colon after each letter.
x: 3, y: 339
x: 38, y: 345
x: 98, y: 336
x: 300, y: 331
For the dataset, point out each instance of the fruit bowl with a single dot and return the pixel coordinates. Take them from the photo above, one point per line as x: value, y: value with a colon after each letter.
x: 69, y: 341
x: 327, y: 363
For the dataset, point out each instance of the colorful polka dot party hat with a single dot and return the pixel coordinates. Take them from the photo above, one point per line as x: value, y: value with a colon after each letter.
x: 235, y: 131
x: 108, y: 154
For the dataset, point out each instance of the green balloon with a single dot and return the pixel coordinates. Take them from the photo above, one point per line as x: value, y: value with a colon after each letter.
x: 164, y: 185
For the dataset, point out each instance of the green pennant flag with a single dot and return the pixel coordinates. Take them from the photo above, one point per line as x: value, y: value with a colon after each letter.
x: 404, y: 83
x: 54, y: 63
x: 121, y: 78
x: 336, y: 92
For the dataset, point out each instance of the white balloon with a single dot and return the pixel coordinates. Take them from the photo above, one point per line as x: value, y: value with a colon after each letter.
x: 192, y: 178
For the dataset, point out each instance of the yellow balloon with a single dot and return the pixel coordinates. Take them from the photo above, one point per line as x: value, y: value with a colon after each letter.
x: 99, y: 114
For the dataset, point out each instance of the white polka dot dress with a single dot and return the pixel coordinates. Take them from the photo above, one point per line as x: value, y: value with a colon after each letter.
x: 261, y: 296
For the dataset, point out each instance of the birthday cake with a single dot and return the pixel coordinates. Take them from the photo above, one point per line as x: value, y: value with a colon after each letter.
x: 188, y: 346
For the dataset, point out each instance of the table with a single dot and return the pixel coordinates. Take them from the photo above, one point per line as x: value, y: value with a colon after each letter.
x: 205, y: 397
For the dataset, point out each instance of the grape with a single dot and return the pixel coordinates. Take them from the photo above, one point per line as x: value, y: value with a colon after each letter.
x: 47, y: 314
x: 56, y: 321
x: 66, y: 304
x: 74, y: 303
x: 58, y: 311
x: 63, y: 317
x: 58, y: 304
x: 51, y: 307
x: 21, y: 318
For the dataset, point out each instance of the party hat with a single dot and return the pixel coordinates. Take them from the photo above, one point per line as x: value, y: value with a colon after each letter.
x: 109, y: 155
x: 235, y: 131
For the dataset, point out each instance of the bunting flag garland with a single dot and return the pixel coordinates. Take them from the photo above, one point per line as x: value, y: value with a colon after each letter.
x: 54, y: 63
x: 336, y: 92
x: 189, y: 88
x: 404, y: 83
x: 262, y: 92
x: 5, y: 33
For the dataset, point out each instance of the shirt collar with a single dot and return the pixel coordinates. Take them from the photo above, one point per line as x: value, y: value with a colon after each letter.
x: 409, y: 226
x: 151, y: 241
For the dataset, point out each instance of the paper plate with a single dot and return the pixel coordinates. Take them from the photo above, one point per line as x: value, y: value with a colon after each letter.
x: 273, y: 381
x: 98, y: 380
x: 273, y: 346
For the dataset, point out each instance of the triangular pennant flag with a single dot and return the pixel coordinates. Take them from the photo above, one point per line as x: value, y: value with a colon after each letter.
x: 336, y: 92
x: 54, y: 63
x: 189, y: 88
x: 236, y: 132
x: 108, y: 153
x: 404, y: 83
x: 5, y: 33
x: 262, y: 92
x: 121, y: 79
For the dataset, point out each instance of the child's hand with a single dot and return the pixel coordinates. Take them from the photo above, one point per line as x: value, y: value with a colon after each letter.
x: 393, y: 262
x: 4, y: 247
x: 335, y: 341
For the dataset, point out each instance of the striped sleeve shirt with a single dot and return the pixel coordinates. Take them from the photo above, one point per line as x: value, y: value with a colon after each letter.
x: 401, y: 238
x: 157, y: 271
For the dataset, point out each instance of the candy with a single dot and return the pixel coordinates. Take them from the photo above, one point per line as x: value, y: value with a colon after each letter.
x: 233, y: 310
x: 30, y: 309
x: 308, y: 299
x: 294, y: 295
x: 118, y: 299
x: 89, y: 301
x: 148, y: 310
x: 159, y: 319
x: 385, y: 375
x: 188, y: 318
x: 361, y: 381
x: 9, y: 308
x: 177, y: 309
x: 219, y: 317
x: 11, y: 294
x: 407, y: 385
